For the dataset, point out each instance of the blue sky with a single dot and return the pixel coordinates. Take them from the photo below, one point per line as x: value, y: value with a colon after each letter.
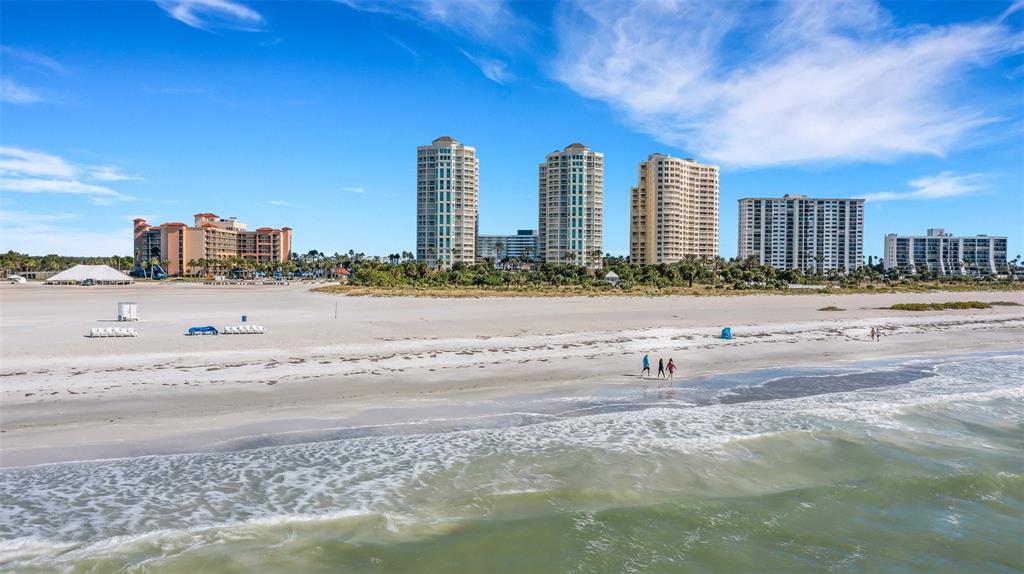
x: 307, y: 114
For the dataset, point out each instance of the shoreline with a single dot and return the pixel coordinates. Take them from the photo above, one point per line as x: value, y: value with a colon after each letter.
x: 391, y: 361
x: 304, y: 430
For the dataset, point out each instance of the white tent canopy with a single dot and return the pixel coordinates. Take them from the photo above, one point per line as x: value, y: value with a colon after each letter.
x: 100, y: 274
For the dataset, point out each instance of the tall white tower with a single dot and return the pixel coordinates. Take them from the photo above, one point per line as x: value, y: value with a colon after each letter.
x: 447, y: 202
x: 571, y: 207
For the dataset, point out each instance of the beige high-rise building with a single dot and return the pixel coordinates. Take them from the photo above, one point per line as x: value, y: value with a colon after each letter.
x: 571, y: 207
x: 673, y: 211
x: 447, y: 202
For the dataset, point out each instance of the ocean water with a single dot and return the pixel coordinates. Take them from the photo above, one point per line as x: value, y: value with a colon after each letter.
x: 911, y: 466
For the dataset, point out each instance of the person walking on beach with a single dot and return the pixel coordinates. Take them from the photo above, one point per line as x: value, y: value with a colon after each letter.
x: 874, y: 331
x: 647, y: 366
x: 671, y: 369
x: 661, y: 368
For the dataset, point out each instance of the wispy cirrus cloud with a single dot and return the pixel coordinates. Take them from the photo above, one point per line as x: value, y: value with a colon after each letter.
x: 33, y: 59
x: 110, y: 173
x: 24, y: 162
x: 486, y: 20
x: 12, y: 217
x: 1015, y: 7
x: 490, y: 23
x: 354, y: 189
x: 211, y: 14
x: 793, y: 82
x: 12, y: 92
x: 29, y: 171
x: 494, y: 69
x: 281, y: 203
x: 944, y: 185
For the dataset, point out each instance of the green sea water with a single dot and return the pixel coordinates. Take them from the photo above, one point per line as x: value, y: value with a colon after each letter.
x: 898, y: 467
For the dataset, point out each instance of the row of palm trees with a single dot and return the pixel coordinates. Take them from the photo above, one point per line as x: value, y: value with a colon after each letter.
x: 321, y: 265
x: 13, y: 262
x: 713, y: 271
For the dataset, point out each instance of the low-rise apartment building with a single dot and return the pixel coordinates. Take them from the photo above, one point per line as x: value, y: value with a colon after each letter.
x: 523, y: 245
x: 211, y: 238
x: 945, y: 254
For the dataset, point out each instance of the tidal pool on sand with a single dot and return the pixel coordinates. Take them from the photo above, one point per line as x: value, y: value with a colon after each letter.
x: 913, y: 466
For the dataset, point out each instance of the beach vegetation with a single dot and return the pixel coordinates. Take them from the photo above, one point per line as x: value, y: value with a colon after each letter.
x: 940, y: 306
x: 691, y: 276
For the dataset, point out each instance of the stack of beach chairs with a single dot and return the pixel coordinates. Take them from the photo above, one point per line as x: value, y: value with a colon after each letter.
x: 112, y: 332
x: 243, y: 330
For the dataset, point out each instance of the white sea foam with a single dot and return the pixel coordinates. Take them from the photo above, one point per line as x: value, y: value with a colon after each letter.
x: 82, y: 508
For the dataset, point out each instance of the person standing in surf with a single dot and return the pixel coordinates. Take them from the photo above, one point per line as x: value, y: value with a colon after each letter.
x: 671, y: 369
x: 646, y: 366
x: 661, y: 368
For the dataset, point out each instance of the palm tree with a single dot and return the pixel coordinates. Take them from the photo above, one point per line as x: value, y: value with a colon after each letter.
x: 30, y: 264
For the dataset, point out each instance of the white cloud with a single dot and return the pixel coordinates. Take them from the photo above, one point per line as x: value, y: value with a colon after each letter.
x: 818, y: 82
x: 1015, y: 7
x: 32, y: 163
x: 489, y: 20
x: 14, y: 93
x: 109, y: 173
x: 281, y: 203
x: 26, y: 171
x: 208, y: 14
x: 95, y: 193
x: 495, y: 70
x: 43, y: 233
x: 35, y: 59
x: 356, y: 189
x: 26, y: 219
x: 943, y: 185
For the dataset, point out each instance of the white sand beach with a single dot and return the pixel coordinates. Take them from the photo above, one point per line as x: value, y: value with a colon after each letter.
x: 68, y: 397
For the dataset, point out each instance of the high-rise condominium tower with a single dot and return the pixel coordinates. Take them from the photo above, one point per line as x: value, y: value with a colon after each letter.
x: 571, y: 218
x: 447, y: 200
x: 800, y: 232
x: 673, y: 211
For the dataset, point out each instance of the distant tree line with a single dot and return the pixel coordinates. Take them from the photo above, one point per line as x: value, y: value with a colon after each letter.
x: 714, y: 272
x: 14, y: 262
x: 402, y: 270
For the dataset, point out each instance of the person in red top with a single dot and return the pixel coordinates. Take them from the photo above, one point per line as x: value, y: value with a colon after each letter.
x: 671, y: 369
